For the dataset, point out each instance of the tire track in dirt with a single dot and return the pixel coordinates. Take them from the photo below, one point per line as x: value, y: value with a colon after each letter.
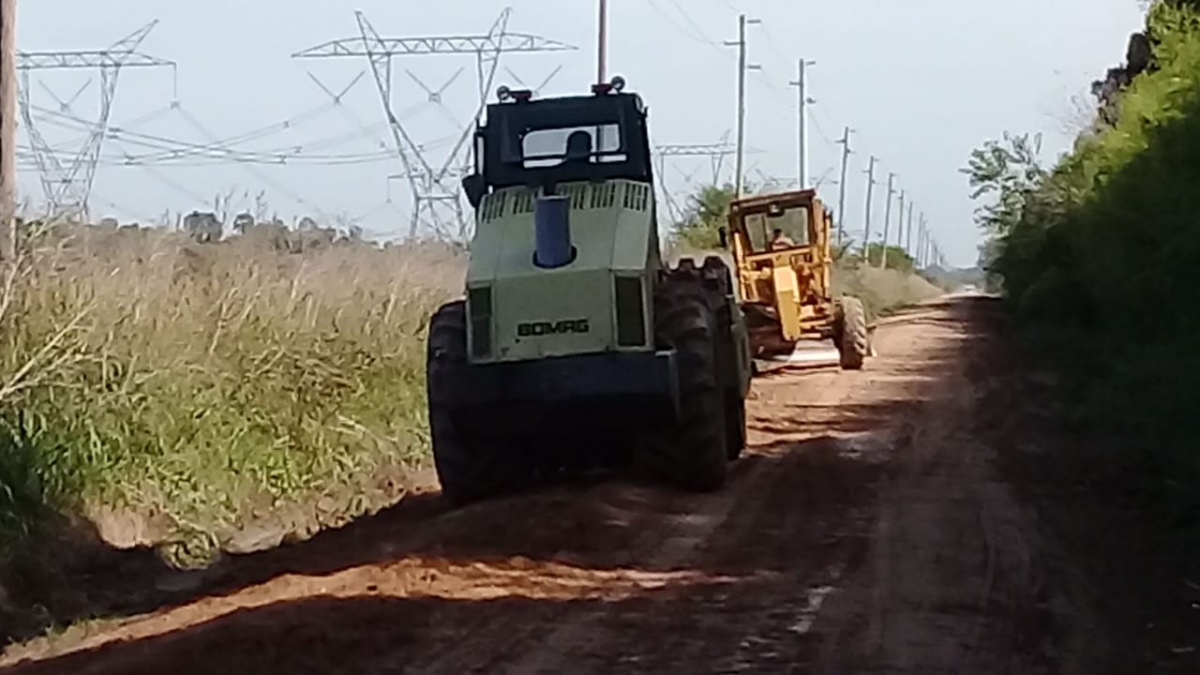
x: 862, y: 533
x: 951, y: 585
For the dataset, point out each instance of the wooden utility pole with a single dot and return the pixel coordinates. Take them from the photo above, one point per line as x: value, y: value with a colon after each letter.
x: 743, y: 67
x: 841, y: 210
x: 866, y: 248
x: 887, y: 221
x: 805, y: 101
x: 8, y: 129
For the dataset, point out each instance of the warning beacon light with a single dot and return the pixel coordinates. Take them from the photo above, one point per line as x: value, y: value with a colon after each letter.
x: 602, y: 88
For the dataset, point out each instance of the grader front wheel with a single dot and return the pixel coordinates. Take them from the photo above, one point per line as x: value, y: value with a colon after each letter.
x: 850, y: 333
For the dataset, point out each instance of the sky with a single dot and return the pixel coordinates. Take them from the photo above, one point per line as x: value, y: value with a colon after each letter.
x: 921, y: 82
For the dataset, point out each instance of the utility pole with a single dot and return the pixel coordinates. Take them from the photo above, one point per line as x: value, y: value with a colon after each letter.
x: 602, y: 50
x: 887, y: 221
x: 841, y: 214
x: 8, y: 129
x: 910, y: 224
x: 900, y: 218
x: 805, y: 100
x: 867, y: 220
x: 921, y: 245
x: 743, y: 67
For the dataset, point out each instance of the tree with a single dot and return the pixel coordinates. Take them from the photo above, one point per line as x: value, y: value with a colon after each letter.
x: 1009, y: 170
x: 897, y: 257
x: 706, y: 213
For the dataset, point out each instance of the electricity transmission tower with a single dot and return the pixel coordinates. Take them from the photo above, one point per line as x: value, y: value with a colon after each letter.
x: 716, y: 152
x: 68, y: 185
x: 433, y: 190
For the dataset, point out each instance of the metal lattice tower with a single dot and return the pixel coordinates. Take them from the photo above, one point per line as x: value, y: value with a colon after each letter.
x: 715, y: 152
x: 68, y: 185
x: 433, y: 189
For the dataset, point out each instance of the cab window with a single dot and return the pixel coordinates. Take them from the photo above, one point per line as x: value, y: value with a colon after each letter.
x: 792, y: 224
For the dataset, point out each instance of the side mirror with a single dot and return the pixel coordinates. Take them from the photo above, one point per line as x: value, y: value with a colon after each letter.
x: 475, y: 188
x: 723, y: 237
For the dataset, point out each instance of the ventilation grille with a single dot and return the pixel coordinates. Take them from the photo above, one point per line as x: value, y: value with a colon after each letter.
x: 582, y: 196
x: 637, y: 196
x: 522, y: 202
x: 493, y: 207
x: 603, y: 196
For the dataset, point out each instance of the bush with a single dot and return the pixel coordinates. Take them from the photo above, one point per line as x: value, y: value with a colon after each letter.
x: 1106, y: 249
x: 175, y: 393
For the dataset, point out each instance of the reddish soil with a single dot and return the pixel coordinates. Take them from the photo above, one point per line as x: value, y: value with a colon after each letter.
x: 866, y: 531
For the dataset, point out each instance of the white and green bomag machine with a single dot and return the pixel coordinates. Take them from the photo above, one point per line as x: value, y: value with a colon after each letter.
x: 575, y: 344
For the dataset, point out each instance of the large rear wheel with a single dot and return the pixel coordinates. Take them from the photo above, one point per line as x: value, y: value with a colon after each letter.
x: 691, y: 453
x: 469, y: 467
x: 851, y: 333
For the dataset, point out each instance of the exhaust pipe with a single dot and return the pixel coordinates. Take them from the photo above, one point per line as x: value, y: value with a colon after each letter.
x: 552, y: 231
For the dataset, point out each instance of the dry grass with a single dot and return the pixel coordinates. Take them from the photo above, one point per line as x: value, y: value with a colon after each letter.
x: 185, y: 395
x: 881, y: 291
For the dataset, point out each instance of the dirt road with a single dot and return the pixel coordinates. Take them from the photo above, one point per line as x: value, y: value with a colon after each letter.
x: 864, y: 533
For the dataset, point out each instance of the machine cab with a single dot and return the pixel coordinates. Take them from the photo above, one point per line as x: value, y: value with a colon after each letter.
x: 547, y: 142
x: 794, y: 224
x: 565, y: 247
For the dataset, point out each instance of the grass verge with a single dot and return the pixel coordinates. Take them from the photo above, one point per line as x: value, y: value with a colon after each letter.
x: 211, y: 397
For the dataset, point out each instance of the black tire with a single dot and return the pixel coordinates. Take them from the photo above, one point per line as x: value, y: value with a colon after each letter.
x: 469, y: 469
x: 691, y: 453
x: 851, y: 333
x: 735, y: 424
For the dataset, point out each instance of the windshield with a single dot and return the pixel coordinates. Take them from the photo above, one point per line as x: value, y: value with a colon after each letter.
x: 563, y: 140
x: 785, y: 229
x: 550, y: 147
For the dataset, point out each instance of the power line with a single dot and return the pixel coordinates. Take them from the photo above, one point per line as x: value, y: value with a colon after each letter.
x: 430, y: 186
x: 65, y: 189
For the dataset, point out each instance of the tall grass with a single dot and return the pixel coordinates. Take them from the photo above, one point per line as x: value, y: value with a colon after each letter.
x: 179, y: 394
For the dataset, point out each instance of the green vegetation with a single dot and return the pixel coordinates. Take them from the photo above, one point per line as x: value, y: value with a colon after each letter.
x: 706, y: 213
x: 174, y: 393
x: 1099, y: 257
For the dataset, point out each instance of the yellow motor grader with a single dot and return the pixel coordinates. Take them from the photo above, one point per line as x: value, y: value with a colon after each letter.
x: 782, y: 255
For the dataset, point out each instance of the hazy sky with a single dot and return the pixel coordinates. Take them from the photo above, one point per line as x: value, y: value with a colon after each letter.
x: 922, y: 81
